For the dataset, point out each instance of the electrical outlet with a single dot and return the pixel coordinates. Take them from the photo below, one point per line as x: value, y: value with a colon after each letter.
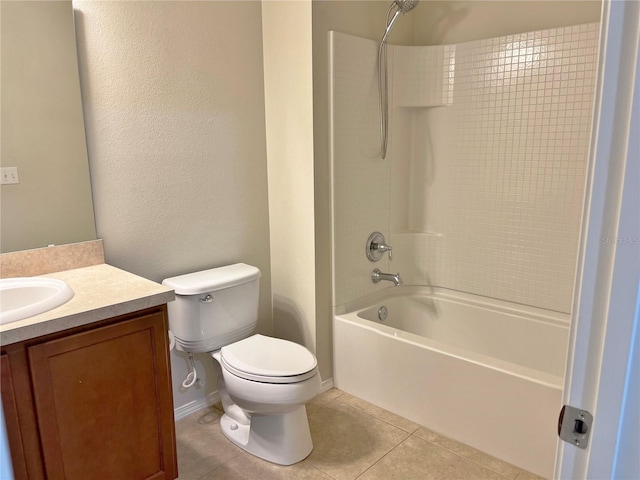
x: 9, y: 176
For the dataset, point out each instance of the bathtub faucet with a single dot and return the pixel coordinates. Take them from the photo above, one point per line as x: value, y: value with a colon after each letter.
x: 377, y: 275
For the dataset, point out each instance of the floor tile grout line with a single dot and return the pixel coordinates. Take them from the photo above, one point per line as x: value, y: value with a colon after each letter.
x: 462, y: 457
x: 381, y: 419
x: 344, y: 402
x: 321, y: 470
x: 382, y: 457
x: 217, y: 422
x: 413, y: 433
x: 470, y: 459
x: 220, y: 465
x: 408, y: 434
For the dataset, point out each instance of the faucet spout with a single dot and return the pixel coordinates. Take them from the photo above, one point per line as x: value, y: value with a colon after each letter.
x: 377, y: 276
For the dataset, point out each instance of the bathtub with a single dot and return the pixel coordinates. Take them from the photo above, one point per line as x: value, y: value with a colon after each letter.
x: 484, y: 372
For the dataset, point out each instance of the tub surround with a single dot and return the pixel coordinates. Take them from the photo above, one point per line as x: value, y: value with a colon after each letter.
x: 483, y: 185
x: 101, y: 291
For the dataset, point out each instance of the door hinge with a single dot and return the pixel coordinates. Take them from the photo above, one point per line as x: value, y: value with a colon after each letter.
x: 574, y: 426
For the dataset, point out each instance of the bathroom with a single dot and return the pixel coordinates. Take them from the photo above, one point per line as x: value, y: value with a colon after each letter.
x: 195, y: 155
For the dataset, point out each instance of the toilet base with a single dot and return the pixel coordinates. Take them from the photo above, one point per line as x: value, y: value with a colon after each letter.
x: 283, y: 439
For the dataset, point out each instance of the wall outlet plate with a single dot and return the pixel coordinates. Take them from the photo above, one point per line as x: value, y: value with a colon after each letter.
x: 9, y: 176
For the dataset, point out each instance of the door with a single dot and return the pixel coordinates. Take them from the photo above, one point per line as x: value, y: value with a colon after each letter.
x: 602, y: 373
x: 103, y: 400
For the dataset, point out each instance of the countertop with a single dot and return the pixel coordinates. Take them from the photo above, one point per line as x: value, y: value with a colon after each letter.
x: 101, y: 292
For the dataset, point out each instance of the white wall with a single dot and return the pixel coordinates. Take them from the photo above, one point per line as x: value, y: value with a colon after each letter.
x: 173, y: 97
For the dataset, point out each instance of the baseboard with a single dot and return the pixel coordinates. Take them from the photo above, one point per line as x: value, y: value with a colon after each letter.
x: 194, y: 406
x: 214, y: 397
x: 326, y: 385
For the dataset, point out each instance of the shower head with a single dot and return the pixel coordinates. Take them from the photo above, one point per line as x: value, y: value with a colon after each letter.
x: 406, y: 5
x: 401, y: 6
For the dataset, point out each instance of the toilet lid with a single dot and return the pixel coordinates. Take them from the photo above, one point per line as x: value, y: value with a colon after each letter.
x: 269, y: 360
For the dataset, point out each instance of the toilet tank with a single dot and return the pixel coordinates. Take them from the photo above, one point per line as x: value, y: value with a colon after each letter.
x: 214, y: 307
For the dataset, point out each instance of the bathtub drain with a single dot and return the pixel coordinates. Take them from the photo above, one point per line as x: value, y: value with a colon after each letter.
x: 382, y: 313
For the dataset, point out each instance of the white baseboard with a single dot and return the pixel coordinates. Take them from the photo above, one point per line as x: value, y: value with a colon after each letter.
x: 192, y: 407
x: 326, y: 385
x: 214, y: 397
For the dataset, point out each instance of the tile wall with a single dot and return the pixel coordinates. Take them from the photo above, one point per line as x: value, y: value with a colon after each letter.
x: 483, y: 186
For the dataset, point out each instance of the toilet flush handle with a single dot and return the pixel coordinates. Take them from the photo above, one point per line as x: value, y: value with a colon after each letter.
x: 207, y: 299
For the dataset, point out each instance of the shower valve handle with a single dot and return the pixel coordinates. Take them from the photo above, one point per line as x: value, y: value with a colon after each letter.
x: 383, y: 247
x: 376, y: 247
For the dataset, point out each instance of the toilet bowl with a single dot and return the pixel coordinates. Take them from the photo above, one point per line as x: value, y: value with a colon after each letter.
x: 264, y: 395
x: 265, y: 382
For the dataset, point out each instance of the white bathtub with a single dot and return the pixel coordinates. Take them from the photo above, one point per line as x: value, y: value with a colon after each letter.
x: 485, y: 372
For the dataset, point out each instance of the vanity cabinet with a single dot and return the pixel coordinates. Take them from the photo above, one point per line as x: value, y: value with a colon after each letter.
x: 92, y: 402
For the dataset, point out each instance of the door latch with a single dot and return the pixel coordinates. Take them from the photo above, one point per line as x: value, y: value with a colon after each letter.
x: 574, y: 426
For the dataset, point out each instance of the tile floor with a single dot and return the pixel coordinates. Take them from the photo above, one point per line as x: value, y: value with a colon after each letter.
x: 352, y: 439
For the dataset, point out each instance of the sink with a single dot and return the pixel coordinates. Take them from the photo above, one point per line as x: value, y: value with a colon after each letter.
x: 25, y: 297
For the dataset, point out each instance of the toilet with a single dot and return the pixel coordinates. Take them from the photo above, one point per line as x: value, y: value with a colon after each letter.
x: 265, y: 381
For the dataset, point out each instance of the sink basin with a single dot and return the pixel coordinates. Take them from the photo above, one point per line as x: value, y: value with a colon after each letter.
x: 28, y: 296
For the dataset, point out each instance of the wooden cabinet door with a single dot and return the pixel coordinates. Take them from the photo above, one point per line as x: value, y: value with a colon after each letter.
x: 104, y: 405
x: 12, y: 419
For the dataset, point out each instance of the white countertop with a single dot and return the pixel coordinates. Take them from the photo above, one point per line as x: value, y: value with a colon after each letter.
x: 101, y: 292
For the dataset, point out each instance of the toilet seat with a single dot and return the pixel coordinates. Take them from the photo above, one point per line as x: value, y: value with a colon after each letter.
x: 268, y: 360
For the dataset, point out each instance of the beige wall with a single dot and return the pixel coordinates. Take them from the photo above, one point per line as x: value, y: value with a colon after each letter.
x: 174, y: 102
x: 42, y: 129
x: 289, y: 118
